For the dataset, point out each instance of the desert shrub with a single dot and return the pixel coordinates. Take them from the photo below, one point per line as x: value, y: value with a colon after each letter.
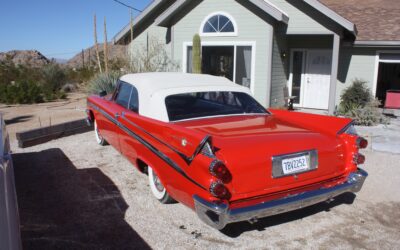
x: 103, y: 82
x: 80, y: 75
x: 357, y: 103
x: 52, y: 80
x: 369, y: 115
x: 23, y: 92
x: 357, y: 95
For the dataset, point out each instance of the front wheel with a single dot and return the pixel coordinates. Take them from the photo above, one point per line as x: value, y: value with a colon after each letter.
x: 157, y: 188
x: 99, y: 139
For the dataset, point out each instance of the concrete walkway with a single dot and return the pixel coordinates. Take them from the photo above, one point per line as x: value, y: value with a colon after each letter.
x: 383, y: 138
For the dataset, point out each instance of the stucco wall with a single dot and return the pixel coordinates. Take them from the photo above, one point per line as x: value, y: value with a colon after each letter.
x: 251, y: 27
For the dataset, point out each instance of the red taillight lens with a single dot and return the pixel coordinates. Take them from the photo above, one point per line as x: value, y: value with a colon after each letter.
x: 219, y: 170
x: 359, y: 159
x: 362, y: 142
x: 218, y: 189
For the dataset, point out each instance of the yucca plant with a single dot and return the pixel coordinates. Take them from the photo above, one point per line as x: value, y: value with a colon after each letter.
x: 103, y: 82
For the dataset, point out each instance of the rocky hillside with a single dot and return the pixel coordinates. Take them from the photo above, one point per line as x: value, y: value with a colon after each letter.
x: 114, y: 51
x: 31, y: 58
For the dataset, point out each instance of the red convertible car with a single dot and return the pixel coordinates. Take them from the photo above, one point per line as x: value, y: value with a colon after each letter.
x: 206, y: 142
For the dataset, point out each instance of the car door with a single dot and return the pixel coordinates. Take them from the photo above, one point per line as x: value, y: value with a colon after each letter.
x: 128, y: 144
x: 114, y: 109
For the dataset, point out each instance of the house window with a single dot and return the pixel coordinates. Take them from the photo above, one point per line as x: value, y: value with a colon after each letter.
x: 218, y: 24
x: 234, y: 61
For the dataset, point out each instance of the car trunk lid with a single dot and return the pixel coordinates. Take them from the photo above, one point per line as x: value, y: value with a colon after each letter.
x: 248, y: 144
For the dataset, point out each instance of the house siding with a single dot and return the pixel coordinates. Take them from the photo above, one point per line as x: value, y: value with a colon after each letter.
x: 355, y: 63
x: 300, y: 22
x: 279, y: 73
x: 155, y: 33
x: 251, y: 27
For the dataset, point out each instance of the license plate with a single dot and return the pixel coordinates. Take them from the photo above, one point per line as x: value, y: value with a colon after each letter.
x: 295, y: 164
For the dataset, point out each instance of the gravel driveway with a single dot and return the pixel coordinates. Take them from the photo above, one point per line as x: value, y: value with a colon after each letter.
x: 74, y: 193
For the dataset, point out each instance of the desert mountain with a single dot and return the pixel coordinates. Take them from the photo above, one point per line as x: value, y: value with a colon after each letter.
x: 89, y: 55
x: 25, y: 57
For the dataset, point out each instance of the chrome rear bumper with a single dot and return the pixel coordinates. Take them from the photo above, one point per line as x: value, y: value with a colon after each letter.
x: 219, y: 215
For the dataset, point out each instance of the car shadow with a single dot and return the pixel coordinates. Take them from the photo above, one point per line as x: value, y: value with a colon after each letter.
x: 18, y: 119
x: 236, y: 229
x: 62, y: 207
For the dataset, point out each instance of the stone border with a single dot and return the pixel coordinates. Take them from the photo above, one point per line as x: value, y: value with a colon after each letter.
x: 41, y: 135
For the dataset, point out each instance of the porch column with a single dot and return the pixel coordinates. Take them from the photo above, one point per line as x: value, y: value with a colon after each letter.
x: 334, y: 73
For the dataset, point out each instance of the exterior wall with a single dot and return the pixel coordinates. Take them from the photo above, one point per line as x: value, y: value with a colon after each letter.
x: 160, y: 34
x: 310, y: 41
x: 279, y: 75
x: 361, y: 63
x: 303, y: 23
x: 251, y: 27
x: 355, y: 63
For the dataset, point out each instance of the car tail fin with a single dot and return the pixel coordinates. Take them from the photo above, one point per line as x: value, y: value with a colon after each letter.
x: 322, y: 123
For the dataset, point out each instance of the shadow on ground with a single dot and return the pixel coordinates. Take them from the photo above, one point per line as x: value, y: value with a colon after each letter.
x: 62, y: 207
x: 18, y: 119
x: 236, y: 229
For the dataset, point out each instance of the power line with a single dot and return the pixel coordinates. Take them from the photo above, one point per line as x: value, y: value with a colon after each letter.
x: 128, y: 6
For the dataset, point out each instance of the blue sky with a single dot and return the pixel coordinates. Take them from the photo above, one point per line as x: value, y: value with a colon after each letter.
x: 60, y: 28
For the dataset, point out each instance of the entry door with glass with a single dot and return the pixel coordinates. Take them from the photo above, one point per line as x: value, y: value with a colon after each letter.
x: 310, y: 78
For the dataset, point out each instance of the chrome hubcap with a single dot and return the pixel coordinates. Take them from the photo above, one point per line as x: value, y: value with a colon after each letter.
x: 157, y: 183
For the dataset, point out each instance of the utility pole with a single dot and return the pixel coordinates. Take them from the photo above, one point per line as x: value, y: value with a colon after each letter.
x: 131, y: 24
x: 96, y: 44
x: 83, y: 58
x: 105, y: 47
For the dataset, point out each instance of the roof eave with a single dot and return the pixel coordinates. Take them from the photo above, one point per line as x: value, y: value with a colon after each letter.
x: 164, y: 19
x: 367, y: 43
x: 351, y: 27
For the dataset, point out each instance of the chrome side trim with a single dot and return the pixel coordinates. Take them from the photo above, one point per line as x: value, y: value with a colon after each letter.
x: 218, y: 215
x: 148, y: 145
x: 183, y: 156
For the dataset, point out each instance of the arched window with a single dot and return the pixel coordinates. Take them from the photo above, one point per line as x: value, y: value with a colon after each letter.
x: 218, y: 24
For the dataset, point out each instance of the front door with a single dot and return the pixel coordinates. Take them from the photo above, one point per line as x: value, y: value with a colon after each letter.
x: 311, y: 75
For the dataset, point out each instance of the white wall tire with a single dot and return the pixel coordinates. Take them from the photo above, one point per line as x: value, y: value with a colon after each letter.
x: 99, y: 139
x: 157, y: 188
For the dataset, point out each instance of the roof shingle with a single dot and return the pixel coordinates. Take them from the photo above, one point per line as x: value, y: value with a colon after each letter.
x: 376, y: 20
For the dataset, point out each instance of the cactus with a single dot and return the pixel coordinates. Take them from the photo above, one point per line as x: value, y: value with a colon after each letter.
x: 196, y: 58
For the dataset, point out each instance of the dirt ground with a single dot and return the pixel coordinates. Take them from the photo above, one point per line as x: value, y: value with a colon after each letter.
x: 73, y: 193
x: 26, y: 117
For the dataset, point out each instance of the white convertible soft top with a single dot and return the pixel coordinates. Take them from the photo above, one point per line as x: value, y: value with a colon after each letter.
x: 154, y: 87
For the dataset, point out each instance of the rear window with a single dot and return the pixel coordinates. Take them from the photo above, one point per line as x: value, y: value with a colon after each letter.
x: 204, y: 104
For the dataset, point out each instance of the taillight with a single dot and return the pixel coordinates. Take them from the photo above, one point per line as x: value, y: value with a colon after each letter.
x: 219, y: 170
x: 218, y: 189
x: 362, y: 142
x: 359, y: 159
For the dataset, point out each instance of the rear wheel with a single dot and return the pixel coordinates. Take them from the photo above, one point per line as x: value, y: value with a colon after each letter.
x: 99, y: 139
x: 157, y: 188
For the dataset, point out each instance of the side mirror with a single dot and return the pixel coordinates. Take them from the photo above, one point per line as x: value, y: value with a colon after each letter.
x: 103, y: 93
